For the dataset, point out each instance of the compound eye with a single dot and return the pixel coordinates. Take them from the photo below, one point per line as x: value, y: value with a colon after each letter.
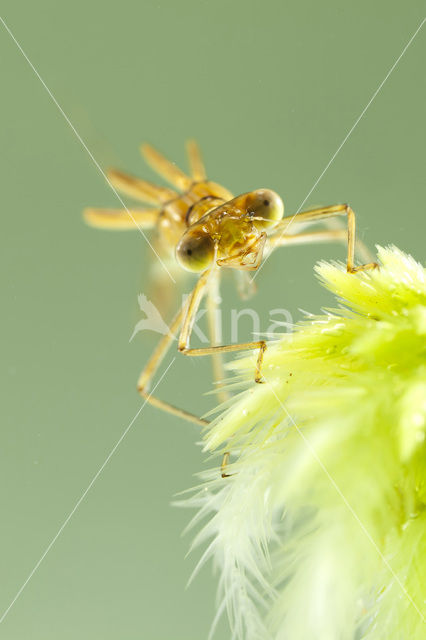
x: 265, y: 204
x: 195, y: 251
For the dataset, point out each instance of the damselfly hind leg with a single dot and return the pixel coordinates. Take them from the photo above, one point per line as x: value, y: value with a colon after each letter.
x: 152, y: 366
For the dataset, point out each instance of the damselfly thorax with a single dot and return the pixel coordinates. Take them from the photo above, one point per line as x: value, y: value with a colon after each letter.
x: 180, y: 212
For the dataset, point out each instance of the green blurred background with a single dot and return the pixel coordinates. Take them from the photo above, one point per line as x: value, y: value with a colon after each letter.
x: 270, y: 90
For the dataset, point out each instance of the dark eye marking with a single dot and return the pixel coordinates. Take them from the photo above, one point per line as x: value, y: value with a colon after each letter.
x: 266, y: 203
x: 189, y: 252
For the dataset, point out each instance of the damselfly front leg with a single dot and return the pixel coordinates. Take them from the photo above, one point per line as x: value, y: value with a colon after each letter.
x: 280, y: 238
x: 185, y: 319
x: 215, y: 331
x: 188, y: 323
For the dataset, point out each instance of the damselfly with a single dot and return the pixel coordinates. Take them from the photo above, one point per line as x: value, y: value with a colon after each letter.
x: 207, y: 230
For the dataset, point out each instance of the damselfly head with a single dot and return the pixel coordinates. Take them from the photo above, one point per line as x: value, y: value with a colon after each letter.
x: 232, y: 232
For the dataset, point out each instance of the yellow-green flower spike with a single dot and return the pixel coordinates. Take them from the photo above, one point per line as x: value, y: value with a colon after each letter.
x: 319, y: 530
